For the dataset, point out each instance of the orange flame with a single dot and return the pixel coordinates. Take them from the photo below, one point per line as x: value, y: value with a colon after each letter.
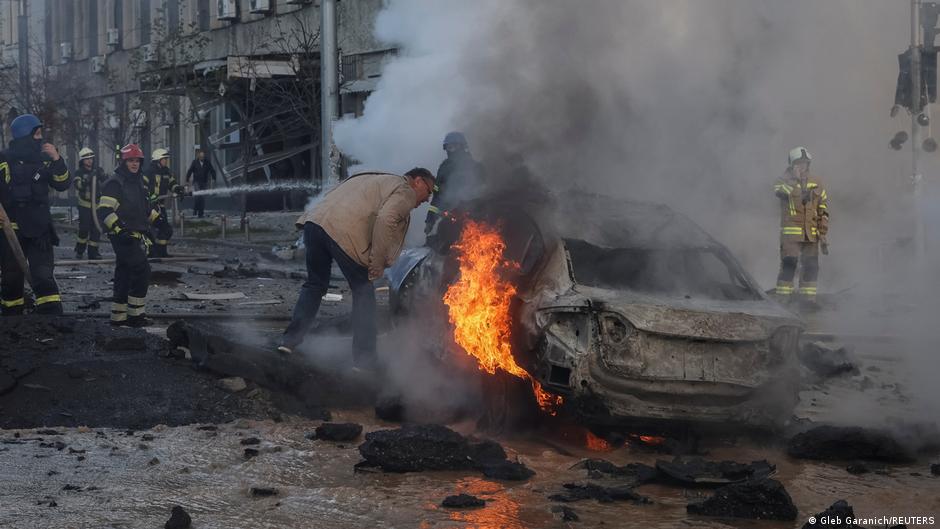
x: 652, y: 440
x: 596, y: 444
x: 478, y: 306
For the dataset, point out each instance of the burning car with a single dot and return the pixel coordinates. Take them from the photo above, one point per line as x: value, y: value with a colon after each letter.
x: 617, y: 309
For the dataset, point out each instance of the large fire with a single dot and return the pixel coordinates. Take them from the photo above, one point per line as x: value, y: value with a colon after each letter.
x: 478, y: 305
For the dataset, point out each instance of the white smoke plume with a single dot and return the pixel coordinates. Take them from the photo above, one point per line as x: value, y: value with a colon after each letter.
x: 693, y: 103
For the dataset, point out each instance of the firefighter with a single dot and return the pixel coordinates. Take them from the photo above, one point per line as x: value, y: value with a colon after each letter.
x: 88, y: 177
x: 458, y: 176
x: 31, y: 167
x: 126, y: 214
x: 159, y: 182
x: 804, y: 225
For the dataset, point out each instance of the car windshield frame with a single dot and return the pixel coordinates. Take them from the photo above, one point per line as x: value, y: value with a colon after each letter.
x: 650, y: 279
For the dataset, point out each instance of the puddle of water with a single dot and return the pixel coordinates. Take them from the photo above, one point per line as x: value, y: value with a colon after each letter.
x: 207, y: 474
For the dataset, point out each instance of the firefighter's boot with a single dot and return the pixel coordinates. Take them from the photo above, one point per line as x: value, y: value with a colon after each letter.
x: 80, y: 250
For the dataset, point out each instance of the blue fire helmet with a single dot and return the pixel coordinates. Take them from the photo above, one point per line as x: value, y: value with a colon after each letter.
x: 455, y: 138
x: 24, y: 125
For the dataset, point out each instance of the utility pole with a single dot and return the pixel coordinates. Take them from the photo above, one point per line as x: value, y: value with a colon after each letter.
x: 917, y: 108
x: 23, y: 38
x: 328, y: 90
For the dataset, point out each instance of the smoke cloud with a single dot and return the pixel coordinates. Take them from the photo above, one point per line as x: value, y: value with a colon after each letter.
x: 693, y: 103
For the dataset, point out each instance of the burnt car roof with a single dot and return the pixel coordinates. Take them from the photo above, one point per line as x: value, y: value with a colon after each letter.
x: 600, y: 220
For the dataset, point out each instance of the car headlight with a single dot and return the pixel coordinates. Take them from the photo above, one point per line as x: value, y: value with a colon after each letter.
x: 616, y: 329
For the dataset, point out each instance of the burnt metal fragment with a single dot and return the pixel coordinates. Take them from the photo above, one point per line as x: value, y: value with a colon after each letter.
x: 697, y: 471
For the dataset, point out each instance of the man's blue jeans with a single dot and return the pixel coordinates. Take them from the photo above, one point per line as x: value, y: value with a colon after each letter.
x: 322, y: 250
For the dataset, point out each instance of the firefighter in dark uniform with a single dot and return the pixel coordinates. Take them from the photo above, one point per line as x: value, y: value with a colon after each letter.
x: 88, y: 177
x: 458, y: 177
x: 127, y: 214
x: 160, y: 181
x: 32, y: 167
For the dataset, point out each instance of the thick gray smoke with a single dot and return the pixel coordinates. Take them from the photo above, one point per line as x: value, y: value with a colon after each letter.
x: 693, y: 103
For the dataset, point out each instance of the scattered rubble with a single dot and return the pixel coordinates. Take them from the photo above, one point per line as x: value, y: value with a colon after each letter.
x: 858, y: 468
x: 233, y: 384
x: 827, y: 360
x: 567, y: 513
x: 113, y: 377
x: 250, y: 453
x: 250, y: 441
x: 697, y: 471
x: 760, y: 499
x: 179, y: 519
x: 835, y: 516
x: 414, y: 448
x: 342, y: 432
x: 263, y: 492
x: 638, y: 473
x: 590, y: 491
x: 462, y: 501
x: 848, y: 443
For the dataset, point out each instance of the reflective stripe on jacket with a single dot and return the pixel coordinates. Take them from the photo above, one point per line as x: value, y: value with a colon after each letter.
x: 804, y: 213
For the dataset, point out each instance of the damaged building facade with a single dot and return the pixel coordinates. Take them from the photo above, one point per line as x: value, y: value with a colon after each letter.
x: 239, y: 78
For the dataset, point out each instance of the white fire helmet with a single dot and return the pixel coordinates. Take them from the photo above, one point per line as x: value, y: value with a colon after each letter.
x: 159, y: 154
x: 799, y: 153
x: 85, y: 154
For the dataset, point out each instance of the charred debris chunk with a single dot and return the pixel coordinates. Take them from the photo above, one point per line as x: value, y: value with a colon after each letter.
x: 699, y: 472
x: 342, y: 432
x: 759, y: 499
x: 590, y: 491
x: 462, y: 501
x: 179, y: 519
x: 840, y: 443
x: 827, y: 360
x: 415, y: 448
x: 567, y: 513
x: 636, y: 473
x: 835, y: 516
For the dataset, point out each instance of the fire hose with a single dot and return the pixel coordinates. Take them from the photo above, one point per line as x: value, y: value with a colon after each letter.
x: 14, y: 243
x: 94, y: 203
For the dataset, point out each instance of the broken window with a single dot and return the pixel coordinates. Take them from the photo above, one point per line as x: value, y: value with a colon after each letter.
x: 705, y: 273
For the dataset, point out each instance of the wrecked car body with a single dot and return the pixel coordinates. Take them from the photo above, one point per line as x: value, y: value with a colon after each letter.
x: 630, y: 311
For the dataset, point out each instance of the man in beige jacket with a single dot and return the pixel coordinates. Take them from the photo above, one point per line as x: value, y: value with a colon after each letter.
x: 360, y: 224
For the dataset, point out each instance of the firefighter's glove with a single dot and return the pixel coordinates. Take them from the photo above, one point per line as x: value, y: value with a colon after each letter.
x: 124, y: 237
x: 179, y: 191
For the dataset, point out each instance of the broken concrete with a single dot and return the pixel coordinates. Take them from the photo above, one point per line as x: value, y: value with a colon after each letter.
x: 828, y: 360
x: 697, y: 471
x: 834, y: 443
x: 761, y: 499
x: 263, y: 492
x: 462, y: 501
x: 589, y: 491
x: 415, y: 448
x: 342, y: 432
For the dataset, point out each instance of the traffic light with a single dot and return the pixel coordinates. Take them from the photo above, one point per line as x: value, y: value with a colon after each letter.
x: 928, y: 80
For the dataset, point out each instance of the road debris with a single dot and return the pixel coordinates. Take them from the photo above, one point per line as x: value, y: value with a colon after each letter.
x: 567, y: 513
x: 342, y: 432
x: 590, y: 491
x: 697, y: 471
x: 179, y: 519
x: 828, y: 360
x: 760, y: 499
x: 462, y: 501
x: 832, y: 443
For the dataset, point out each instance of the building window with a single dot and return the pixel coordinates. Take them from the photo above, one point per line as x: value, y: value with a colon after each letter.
x: 92, y: 28
x: 145, y: 22
x: 119, y: 22
x: 203, y: 15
